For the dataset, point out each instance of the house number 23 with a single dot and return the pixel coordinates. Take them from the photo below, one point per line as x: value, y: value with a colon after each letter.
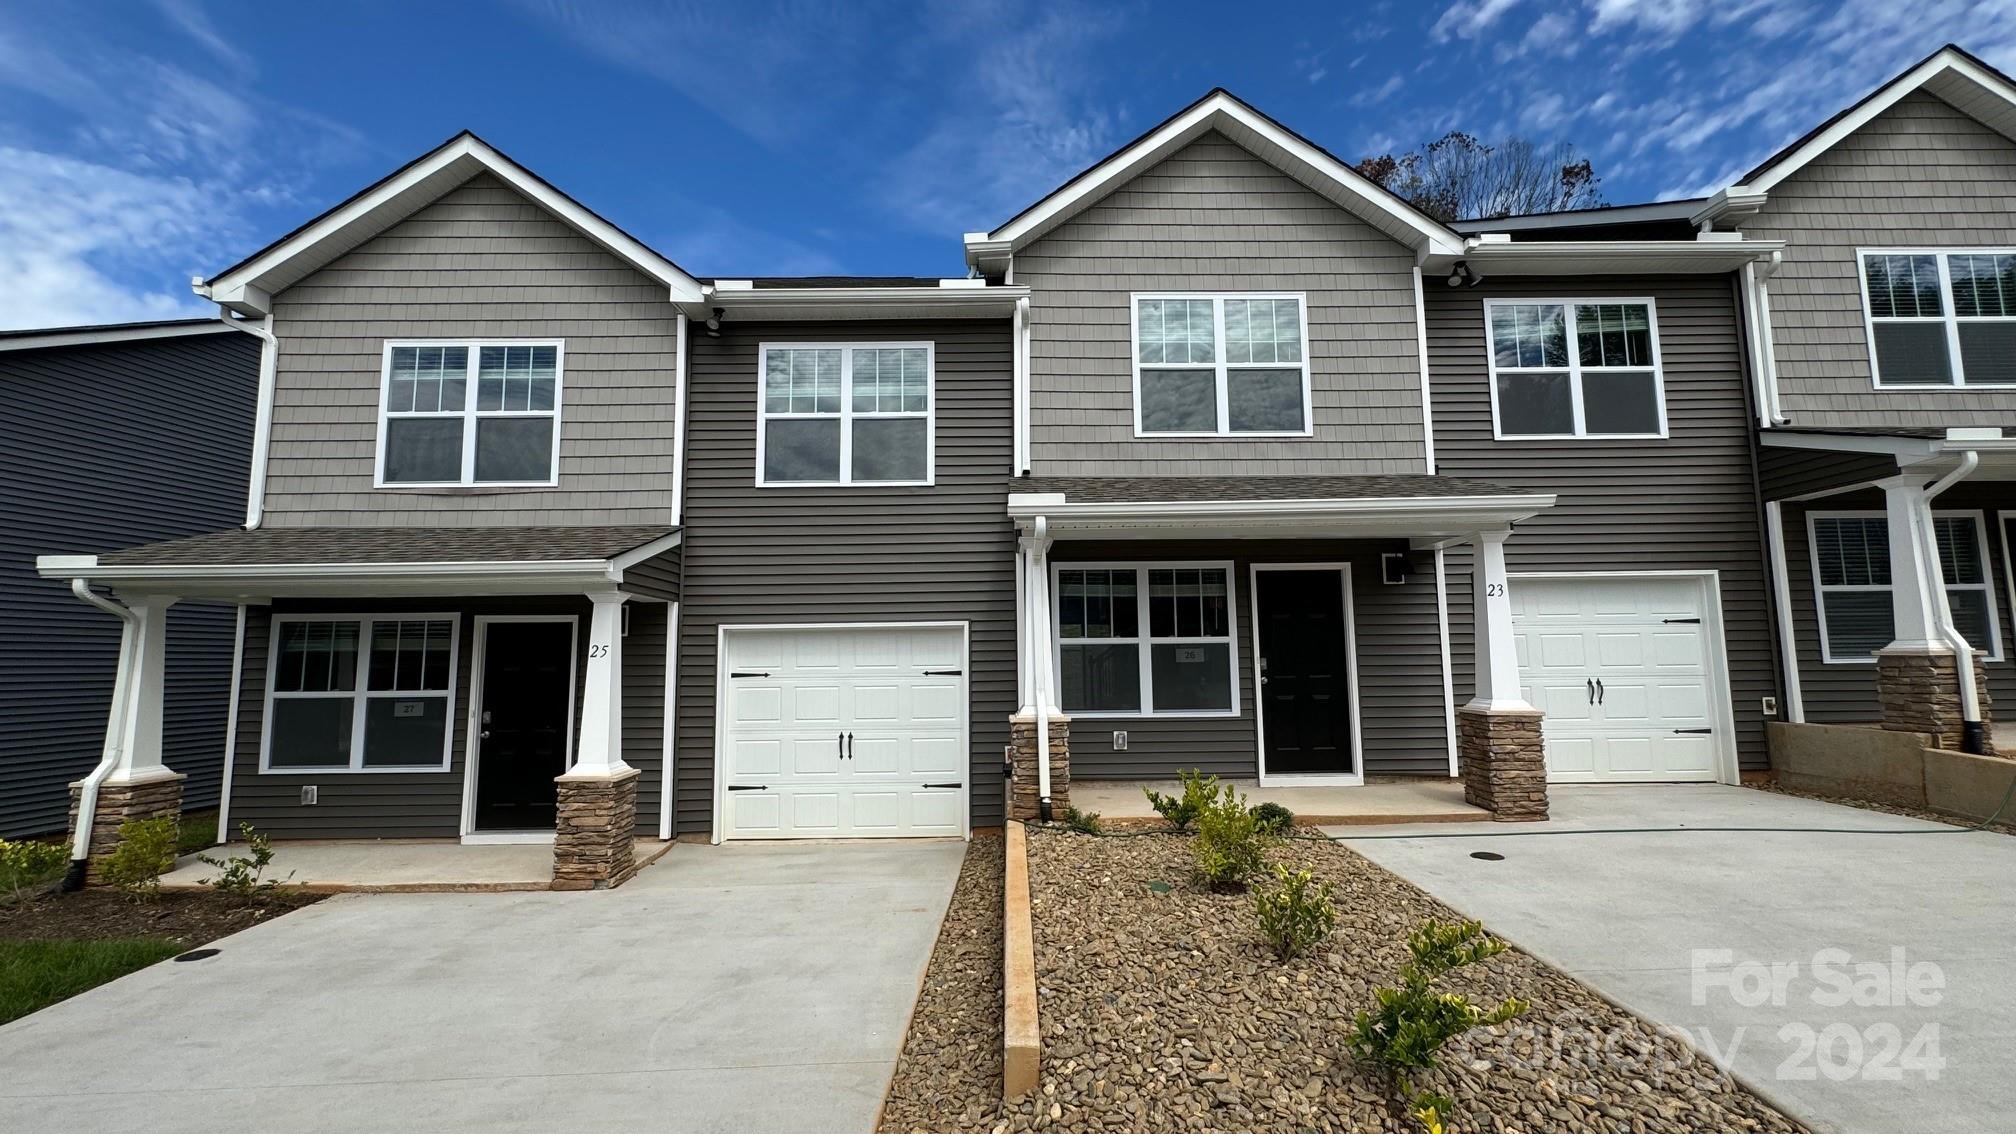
x: 1493, y: 590
x: 598, y: 649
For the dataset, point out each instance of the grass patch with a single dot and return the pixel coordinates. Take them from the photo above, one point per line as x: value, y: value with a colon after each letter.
x: 36, y: 974
x: 198, y: 832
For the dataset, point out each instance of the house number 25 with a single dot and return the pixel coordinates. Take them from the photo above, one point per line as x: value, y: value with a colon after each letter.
x: 598, y: 649
x: 1493, y: 590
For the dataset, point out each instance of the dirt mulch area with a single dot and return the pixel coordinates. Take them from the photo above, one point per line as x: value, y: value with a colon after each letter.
x: 1894, y: 808
x: 1163, y: 1010
x: 190, y: 918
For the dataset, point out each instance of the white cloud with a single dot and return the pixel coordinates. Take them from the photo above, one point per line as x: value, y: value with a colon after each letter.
x: 1373, y: 96
x: 1468, y: 19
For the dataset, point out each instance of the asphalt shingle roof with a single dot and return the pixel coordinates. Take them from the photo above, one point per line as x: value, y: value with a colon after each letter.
x: 285, y: 546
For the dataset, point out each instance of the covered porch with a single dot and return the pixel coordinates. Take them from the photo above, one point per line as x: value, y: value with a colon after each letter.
x: 401, y: 866
x: 1125, y: 802
x: 431, y: 689
x: 1292, y: 632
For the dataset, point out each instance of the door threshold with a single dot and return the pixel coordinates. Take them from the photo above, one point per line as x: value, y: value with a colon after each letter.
x: 505, y: 838
x: 1314, y: 779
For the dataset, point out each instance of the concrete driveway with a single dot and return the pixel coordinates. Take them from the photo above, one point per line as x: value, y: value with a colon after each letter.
x: 751, y: 987
x: 1722, y: 934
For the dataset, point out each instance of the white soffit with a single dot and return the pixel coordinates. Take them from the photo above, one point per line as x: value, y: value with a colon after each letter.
x: 1616, y: 257
x: 249, y: 285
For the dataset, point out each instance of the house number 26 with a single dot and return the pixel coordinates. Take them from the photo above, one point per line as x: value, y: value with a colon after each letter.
x: 1493, y: 590
x: 598, y: 649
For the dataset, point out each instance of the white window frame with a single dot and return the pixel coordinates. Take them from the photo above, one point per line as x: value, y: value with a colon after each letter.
x: 1220, y: 366
x: 1820, y: 590
x: 1957, y: 368
x: 469, y: 413
x: 1575, y: 368
x: 360, y: 695
x: 847, y: 415
x: 1144, y: 640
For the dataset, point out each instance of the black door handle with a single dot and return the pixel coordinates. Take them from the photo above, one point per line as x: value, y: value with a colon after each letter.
x: 850, y: 746
x: 1694, y: 731
x: 1599, y: 690
x: 1591, y: 683
x: 943, y: 785
x: 840, y: 745
x: 944, y: 673
x: 748, y: 787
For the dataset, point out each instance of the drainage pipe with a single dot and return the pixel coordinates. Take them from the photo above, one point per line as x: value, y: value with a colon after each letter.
x: 1973, y: 737
x: 115, y: 731
x: 1039, y: 624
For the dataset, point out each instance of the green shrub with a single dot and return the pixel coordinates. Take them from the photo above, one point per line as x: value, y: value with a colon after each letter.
x: 1274, y: 818
x: 1406, y: 1030
x: 145, y: 852
x: 1083, y: 822
x: 1296, y: 913
x: 1198, y: 789
x: 243, y: 875
x: 1230, y: 847
x: 26, y: 867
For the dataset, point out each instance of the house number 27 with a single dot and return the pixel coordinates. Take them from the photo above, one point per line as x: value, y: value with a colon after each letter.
x: 1493, y: 590
x: 598, y: 649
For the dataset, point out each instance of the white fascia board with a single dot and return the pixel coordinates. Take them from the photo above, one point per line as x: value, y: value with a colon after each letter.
x: 241, y: 288
x: 651, y: 550
x: 117, y: 335
x: 1216, y: 111
x: 871, y: 302
x: 1914, y: 448
x: 566, y: 576
x: 1579, y: 218
x: 1616, y: 257
x: 1400, y: 509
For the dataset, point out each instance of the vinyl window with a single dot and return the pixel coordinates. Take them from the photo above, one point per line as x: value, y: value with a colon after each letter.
x: 1851, y: 573
x: 1146, y: 640
x: 1586, y: 368
x: 1941, y: 317
x: 360, y: 694
x: 845, y: 414
x: 1220, y: 365
x: 469, y: 413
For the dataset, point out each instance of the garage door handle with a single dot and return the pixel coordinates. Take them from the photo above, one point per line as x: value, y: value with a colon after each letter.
x: 748, y: 787
x: 1694, y: 731
x: 944, y: 673
x: 850, y: 746
x: 748, y: 675
x: 944, y: 785
x: 1591, y: 682
x: 1599, y: 690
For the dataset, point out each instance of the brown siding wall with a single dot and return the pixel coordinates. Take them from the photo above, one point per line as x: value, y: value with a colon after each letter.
x: 481, y: 262
x: 797, y: 555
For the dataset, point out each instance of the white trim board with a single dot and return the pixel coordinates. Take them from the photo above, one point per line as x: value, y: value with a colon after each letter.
x: 1356, y: 776
x: 472, y: 749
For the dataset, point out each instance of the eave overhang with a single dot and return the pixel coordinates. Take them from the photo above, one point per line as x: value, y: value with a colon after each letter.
x: 1488, y: 258
x: 950, y: 300
x: 1424, y: 521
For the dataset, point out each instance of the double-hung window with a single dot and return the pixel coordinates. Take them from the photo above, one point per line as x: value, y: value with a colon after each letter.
x: 370, y: 693
x: 1941, y: 318
x: 1851, y: 572
x: 845, y: 414
x: 1146, y: 640
x: 1575, y: 368
x: 439, y: 428
x: 1220, y: 365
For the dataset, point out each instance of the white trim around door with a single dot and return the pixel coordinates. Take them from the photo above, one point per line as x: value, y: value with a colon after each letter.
x: 1356, y: 776
x: 1727, y: 770
x: 478, y: 662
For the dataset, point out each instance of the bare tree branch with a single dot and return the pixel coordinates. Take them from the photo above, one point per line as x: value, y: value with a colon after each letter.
x: 1458, y: 177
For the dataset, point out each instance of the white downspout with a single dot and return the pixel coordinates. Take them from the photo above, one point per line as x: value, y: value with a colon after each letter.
x: 681, y: 369
x: 231, y: 729
x: 262, y: 422
x: 1021, y: 382
x: 1972, y: 739
x: 1781, y: 599
x: 115, y: 728
x: 1039, y: 624
x: 1772, y: 406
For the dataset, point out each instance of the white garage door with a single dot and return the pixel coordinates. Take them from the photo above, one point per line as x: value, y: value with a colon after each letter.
x: 1621, y: 668
x: 844, y: 733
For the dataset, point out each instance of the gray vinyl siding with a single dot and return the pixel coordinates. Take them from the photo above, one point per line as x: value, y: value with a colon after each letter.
x: 1845, y: 692
x: 1688, y: 502
x: 1398, y: 655
x: 480, y: 262
x: 1796, y: 472
x: 407, y: 805
x: 793, y: 555
x: 1921, y: 174
x: 1214, y: 218
x: 656, y: 577
x: 104, y: 447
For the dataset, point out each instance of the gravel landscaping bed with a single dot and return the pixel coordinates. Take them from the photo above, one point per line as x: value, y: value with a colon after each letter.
x: 1893, y: 808
x: 1162, y: 1010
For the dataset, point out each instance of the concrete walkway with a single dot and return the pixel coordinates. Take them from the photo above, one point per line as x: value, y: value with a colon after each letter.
x: 744, y: 988
x: 1641, y: 917
x: 399, y: 866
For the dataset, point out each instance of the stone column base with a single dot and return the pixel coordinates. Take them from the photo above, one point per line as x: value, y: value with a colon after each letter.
x: 1504, y: 762
x: 1023, y: 795
x: 595, y: 831
x: 155, y: 796
x: 1920, y: 692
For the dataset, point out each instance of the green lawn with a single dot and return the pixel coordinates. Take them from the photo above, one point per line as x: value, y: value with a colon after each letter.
x: 36, y: 974
x: 198, y: 832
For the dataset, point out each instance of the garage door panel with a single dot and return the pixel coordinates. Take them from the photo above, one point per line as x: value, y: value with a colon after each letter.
x: 1558, y: 651
x: 1687, y: 753
x: 1628, y: 754
x: 815, y: 755
x: 813, y: 811
x: 1561, y: 701
x: 749, y: 705
x: 937, y: 756
x: 879, y: 703
x: 1619, y: 650
x: 754, y: 757
x: 1625, y: 703
x: 878, y: 756
x: 943, y: 702
x: 939, y: 811
x: 1679, y: 649
x: 1571, y: 754
x: 755, y: 813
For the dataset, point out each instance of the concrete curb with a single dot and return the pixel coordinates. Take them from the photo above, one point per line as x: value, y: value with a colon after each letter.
x: 1021, y: 1037
x: 645, y: 856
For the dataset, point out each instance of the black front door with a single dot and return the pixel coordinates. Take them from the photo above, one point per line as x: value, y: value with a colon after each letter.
x: 522, y: 723
x: 1305, y: 677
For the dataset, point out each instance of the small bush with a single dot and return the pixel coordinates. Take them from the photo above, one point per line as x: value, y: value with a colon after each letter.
x: 26, y: 867
x: 1274, y: 818
x: 1230, y: 847
x: 1198, y: 789
x: 1083, y: 822
x: 1296, y: 913
x: 145, y: 852
x: 1406, y: 1030
x: 243, y: 876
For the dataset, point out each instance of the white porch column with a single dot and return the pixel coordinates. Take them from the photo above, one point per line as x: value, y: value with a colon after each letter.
x: 143, y: 679
x: 599, y: 751
x: 1913, y: 588
x: 1040, y: 735
x: 1497, y: 661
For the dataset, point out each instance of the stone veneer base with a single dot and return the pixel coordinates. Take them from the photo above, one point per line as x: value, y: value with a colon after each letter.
x: 1023, y: 796
x: 118, y: 803
x: 1504, y: 762
x: 595, y: 831
x: 1920, y: 692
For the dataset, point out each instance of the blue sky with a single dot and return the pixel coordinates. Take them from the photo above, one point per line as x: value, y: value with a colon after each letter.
x: 145, y: 142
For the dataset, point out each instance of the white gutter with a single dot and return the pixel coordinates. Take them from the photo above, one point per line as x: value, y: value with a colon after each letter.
x: 262, y: 423
x: 1024, y: 505
x: 1021, y: 380
x: 115, y: 729
x: 1971, y: 738
x: 1781, y: 600
x: 1768, y: 341
x: 680, y: 371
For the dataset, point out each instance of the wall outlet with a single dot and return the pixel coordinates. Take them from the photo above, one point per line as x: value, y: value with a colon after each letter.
x: 1119, y: 742
x: 307, y: 794
x: 1770, y: 706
